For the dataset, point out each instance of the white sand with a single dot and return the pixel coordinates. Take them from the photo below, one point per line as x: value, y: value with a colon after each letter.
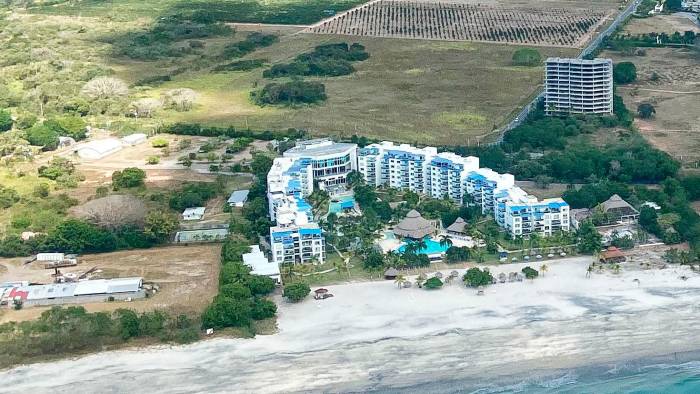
x: 373, y: 335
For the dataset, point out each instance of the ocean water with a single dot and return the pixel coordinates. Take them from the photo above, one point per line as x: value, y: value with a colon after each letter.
x: 637, y: 377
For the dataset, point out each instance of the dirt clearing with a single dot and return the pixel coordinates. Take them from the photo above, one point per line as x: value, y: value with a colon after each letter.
x: 187, y: 277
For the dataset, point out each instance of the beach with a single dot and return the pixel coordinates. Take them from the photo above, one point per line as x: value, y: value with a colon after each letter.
x: 374, y: 336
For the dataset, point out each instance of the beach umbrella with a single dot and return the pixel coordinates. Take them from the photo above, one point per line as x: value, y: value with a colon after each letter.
x: 438, y: 275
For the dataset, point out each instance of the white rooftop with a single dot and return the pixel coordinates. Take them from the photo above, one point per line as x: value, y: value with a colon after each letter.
x: 320, y: 146
x: 259, y: 264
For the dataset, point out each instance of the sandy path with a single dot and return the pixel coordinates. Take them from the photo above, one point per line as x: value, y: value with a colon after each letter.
x: 374, y: 336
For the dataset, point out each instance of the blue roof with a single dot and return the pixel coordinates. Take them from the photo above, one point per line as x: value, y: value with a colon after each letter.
x: 558, y: 204
x: 476, y: 176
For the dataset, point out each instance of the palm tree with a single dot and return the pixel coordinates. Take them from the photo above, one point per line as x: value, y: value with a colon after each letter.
x: 421, y: 245
x: 445, y: 241
x: 400, y: 280
x: 410, y: 248
x: 478, y: 254
x: 543, y: 269
x: 589, y: 271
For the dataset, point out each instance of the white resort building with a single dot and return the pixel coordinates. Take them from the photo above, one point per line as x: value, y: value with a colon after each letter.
x: 296, y: 238
x: 578, y: 86
x: 421, y: 170
x: 321, y: 163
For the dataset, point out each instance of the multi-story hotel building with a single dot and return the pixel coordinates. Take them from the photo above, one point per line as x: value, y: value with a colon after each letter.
x: 421, y: 170
x: 318, y: 163
x: 484, y: 184
x: 578, y: 86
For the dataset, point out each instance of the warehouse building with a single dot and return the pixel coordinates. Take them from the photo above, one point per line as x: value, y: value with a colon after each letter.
x: 97, y: 290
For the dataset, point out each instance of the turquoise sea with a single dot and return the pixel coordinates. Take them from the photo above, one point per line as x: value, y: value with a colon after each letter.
x: 673, y: 374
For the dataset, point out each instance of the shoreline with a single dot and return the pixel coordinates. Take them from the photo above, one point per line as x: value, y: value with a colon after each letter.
x: 374, y: 337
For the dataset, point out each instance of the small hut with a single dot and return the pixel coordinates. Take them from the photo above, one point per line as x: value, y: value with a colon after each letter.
x: 414, y: 226
x: 612, y: 255
x: 391, y: 273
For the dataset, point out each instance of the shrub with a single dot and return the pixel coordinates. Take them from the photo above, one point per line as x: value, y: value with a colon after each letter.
x: 530, y: 273
x: 527, y: 57
x: 263, y: 309
x: 159, y: 143
x: 8, y: 197
x: 240, y: 65
x: 153, y: 160
x: 433, y: 283
x: 5, y: 120
x: 128, y: 177
x: 296, y: 292
x: 646, y: 110
x: 294, y: 92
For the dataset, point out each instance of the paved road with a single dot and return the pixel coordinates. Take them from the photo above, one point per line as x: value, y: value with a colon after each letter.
x: 620, y: 18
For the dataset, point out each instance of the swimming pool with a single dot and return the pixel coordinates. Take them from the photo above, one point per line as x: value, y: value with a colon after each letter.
x: 433, y: 247
x: 341, y: 203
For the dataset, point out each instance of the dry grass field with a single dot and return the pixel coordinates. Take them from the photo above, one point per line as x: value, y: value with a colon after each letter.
x: 570, y: 27
x: 408, y: 90
x: 187, y: 277
x: 660, y: 24
x: 674, y: 93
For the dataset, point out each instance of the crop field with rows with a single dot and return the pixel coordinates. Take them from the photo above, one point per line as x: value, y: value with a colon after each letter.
x: 466, y: 22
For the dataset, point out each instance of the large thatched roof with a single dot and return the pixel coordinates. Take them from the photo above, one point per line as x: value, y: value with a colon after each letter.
x: 414, y: 226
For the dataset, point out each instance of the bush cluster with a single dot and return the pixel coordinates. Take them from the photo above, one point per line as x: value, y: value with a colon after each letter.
x: 329, y: 60
x: 241, y: 295
x: 290, y: 93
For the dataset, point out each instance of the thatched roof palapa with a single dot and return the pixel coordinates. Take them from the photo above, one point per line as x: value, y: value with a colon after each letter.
x: 414, y: 226
x: 459, y: 226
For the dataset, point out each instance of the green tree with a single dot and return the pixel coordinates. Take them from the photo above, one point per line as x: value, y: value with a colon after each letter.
x: 475, y: 277
x: 432, y: 283
x: 128, y: 323
x: 5, y: 120
x: 445, y: 241
x: 673, y: 5
x: 624, y: 73
x: 589, y: 238
x: 373, y: 261
x: 646, y: 110
x: 128, y: 177
x: 227, y: 312
x: 68, y: 126
x: 261, y: 285
x: 43, y: 136
x: 159, y: 225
